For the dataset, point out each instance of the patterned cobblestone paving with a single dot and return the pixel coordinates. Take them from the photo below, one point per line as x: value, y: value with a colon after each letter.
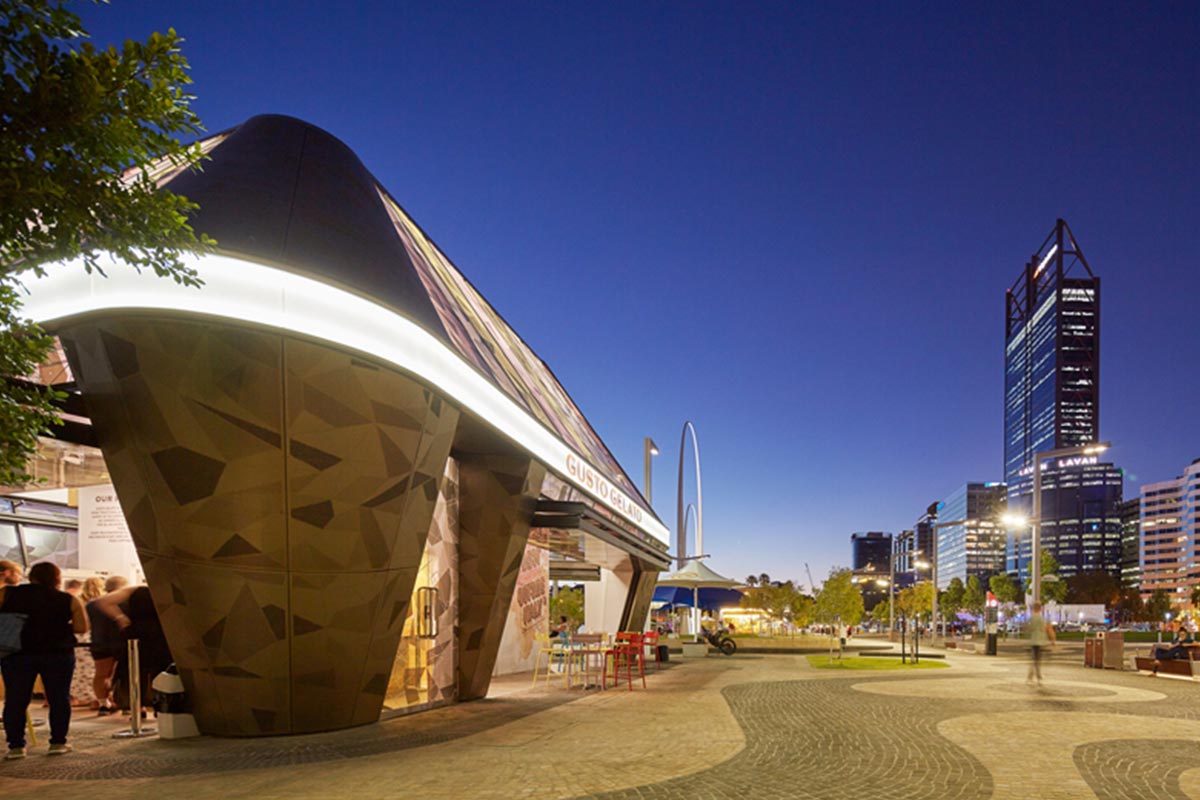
x: 1137, y: 769
x: 821, y: 739
x: 747, y: 727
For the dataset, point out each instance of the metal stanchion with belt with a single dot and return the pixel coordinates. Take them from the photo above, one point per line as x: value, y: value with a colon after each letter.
x: 136, y: 731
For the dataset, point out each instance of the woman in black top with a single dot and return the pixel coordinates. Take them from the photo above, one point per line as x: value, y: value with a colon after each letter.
x: 47, y: 649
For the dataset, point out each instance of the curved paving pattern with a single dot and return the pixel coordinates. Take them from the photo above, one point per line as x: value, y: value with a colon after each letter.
x: 818, y: 739
x: 1135, y: 769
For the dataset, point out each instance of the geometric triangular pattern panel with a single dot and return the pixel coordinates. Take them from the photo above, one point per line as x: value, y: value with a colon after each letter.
x: 496, y: 497
x: 277, y: 495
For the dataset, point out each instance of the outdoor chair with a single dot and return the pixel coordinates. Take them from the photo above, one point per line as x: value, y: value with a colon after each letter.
x: 650, y: 640
x: 551, y: 649
x: 625, y: 653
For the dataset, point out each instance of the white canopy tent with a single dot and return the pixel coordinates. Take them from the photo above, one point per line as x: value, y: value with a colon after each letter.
x: 696, y: 576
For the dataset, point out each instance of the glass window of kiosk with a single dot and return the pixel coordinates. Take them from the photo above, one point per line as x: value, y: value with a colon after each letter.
x: 10, y: 544
x: 48, y: 543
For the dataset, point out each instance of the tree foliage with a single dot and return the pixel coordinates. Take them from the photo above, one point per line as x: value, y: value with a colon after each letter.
x: 840, y: 599
x: 1093, y: 587
x: 781, y: 601
x: 82, y: 131
x: 567, y: 602
x: 1054, y: 589
x: 916, y: 602
x: 974, y: 598
x: 1158, y: 606
x: 1004, y: 588
x: 951, y: 600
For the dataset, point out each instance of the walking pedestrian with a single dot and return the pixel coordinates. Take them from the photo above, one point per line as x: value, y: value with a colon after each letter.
x: 1041, y: 636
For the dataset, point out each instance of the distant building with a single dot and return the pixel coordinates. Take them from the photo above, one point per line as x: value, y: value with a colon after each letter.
x: 871, y: 550
x: 1130, y: 512
x: 915, y: 546
x: 1051, y: 354
x: 1171, y: 536
x: 977, y: 545
x: 1081, y: 518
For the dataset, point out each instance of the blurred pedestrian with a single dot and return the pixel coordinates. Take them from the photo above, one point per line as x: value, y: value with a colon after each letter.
x: 53, y: 617
x: 1041, y: 636
x: 107, y: 643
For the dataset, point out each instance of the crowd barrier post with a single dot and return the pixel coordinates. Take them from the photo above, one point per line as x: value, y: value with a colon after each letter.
x: 136, y: 730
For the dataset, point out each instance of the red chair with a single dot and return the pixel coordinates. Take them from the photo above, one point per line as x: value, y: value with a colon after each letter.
x: 650, y: 640
x: 625, y: 653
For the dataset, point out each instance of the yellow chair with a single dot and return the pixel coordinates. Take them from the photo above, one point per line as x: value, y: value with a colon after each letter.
x: 549, y: 647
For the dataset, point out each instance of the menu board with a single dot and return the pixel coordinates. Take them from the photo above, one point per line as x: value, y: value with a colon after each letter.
x: 105, y: 544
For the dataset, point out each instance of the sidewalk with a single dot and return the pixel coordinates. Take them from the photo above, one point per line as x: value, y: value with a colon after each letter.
x: 767, y: 726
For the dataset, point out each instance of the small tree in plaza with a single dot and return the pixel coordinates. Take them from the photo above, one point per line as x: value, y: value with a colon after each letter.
x: 974, y: 598
x: 916, y: 602
x: 951, y: 600
x: 81, y: 132
x: 840, y: 600
x: 1054, y: 589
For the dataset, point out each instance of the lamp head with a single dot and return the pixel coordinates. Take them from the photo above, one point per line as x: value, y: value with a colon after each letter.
x: 651, y: 447
x: 1014, y: 520
x: 1097, y: 448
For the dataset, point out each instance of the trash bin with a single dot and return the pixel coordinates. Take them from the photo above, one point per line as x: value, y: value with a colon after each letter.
x: 175, y: 720
x: 664, y: 653
x: 991, y: 644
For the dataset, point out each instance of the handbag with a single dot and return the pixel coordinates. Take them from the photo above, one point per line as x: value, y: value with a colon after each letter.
x: 11, y: 625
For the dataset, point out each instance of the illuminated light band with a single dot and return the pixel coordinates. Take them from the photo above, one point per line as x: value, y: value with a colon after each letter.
x: 264, y: 296
x: 1046, y: 260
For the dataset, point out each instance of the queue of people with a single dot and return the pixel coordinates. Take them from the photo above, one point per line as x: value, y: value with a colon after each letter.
x: 101, y: 614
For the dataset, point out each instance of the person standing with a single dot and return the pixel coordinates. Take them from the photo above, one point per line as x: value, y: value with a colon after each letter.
x: 132, y: 609
x: 10, y: 573
x: 53, y: 618
x: 107, y: 644
x: 1041, y: 635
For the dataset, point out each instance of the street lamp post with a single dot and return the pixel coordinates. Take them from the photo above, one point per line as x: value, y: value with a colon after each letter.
x: 649, y: 449
x: 1035, y: 555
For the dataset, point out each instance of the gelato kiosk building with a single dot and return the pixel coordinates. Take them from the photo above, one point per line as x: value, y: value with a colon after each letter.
x: 347, y: 479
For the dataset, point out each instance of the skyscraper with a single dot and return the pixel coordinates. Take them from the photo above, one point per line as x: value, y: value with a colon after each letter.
x: 1052, y: 400
x: 1051, y: 354
x: 871, y: 551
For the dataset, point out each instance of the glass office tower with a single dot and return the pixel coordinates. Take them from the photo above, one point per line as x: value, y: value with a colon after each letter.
x: 1052, y: 400
x: 977, y: 546
x: 1052, y: 354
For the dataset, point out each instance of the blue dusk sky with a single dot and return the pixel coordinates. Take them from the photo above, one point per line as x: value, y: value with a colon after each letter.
x: 793, y: 224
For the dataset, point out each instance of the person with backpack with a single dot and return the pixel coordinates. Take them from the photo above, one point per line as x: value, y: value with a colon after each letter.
x: 47, y: 650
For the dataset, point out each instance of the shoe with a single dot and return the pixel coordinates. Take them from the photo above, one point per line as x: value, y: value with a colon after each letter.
x: 14, y: 753
x: 59, y: 749
x: 104, y: 711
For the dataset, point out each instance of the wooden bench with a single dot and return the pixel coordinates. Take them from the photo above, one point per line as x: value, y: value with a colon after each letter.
x: 1186, y: 668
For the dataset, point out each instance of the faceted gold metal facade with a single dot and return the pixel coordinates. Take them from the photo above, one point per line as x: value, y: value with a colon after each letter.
x: 497, y: 495
x: 279, y: 494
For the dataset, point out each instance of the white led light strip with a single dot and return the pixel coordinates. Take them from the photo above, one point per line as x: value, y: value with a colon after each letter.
x: 248, y: 292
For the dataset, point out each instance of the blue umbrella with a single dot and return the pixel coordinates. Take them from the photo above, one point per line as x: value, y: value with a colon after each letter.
x: 709, y: 597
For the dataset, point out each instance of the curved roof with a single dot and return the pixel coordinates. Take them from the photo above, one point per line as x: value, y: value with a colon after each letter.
x: 279, y: 190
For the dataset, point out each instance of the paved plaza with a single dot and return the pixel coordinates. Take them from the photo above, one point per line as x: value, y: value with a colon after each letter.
x: 756, y: 725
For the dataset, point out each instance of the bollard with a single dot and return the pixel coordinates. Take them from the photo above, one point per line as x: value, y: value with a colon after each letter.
x: 136, y: 731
